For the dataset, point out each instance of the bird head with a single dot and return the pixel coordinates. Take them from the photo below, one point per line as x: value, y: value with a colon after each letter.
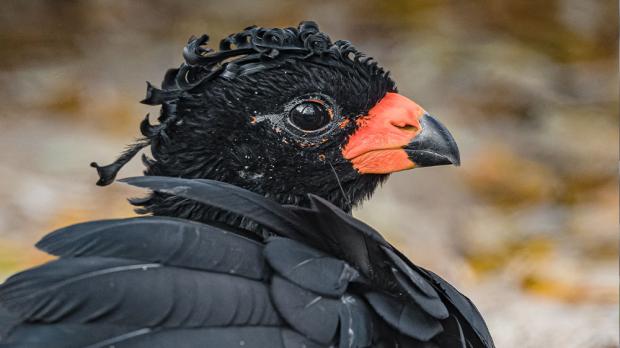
x: 284, y: 113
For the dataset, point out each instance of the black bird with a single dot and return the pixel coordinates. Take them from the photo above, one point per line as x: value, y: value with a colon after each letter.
x: 261, y: 151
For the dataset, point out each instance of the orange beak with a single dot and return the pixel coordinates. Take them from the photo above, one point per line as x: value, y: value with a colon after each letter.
x: 397, y: 134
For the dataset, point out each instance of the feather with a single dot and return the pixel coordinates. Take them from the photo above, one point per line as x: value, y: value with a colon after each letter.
x: 319, y: 318
x: 133, y: 293
x: 338, y: 237
x: 356, y: 323
x: 333, y: 222
x: 453, y: 335
x: 63, y: 335
x: 432, y: 306
x: 351, y: 240
x: 224, y: 337
x: 309, y: 268
x: 325, y: 207
x: 164, y: 240
x: 104, y: 336
x: 465, y: 308
x: 311, y: 314
x: 7, y: 321
x: 472, y: 323
x: 291, y: 339
x: 405, y: 317
x: 227, y: 197
x: 422, y: 284
x: 418, y: 288
x: 406, y: 341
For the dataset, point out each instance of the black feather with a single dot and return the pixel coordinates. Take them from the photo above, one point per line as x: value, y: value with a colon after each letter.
x: 418, y: 288
x: 63, y: 335
x: 311, y: 314
x: 309, y: 268
x: 420, y: 283
x: 357, y: 327
x: 472, y: 322
x: 339, y: 238
x: 326, y: 208
x: 321, y: 318
x: 105, y: 336
x: 164, y: 240
x: 128, y: 292
x: 465, y: 307
x: 433, y: 306
x: 224, y: 337
x: 405, y: 317
x: 7, y: 321
x: 453, y: 336
x: 227, y: 197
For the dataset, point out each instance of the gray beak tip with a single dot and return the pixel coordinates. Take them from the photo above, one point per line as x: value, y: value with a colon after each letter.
x: 434, y: 145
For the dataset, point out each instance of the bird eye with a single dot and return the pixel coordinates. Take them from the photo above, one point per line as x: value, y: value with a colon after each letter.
x: 309, y: 116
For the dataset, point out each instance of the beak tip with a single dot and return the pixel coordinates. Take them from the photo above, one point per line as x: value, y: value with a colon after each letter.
x: 456, y: 161
x: 434, y: 146
x: 456, y: 158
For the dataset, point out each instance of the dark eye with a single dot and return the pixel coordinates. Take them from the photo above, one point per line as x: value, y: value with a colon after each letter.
x: 309, y: 116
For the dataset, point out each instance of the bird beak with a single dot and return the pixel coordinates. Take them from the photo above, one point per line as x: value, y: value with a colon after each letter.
x: 433, y: 146
x: 397, y: 134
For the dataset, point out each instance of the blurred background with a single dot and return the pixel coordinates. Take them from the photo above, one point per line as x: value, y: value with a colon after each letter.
x: 527, y: 226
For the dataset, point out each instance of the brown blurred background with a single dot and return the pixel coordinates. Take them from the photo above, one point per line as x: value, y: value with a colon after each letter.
x: 527, y: 226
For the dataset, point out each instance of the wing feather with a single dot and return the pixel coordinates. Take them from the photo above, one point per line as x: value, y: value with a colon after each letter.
x: 105, y: 336
x: 405, y: 317
x: 308, y: 267
x: 470, y: 319
x: 164, y: 240
x: 134, y: 293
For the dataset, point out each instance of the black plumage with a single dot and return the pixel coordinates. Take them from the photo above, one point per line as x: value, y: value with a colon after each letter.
x: 251, y: 243
x: 118, y: 277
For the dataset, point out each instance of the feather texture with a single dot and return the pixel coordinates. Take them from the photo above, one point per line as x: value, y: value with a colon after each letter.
x: 471, y: 321
x: 432, y: 306
x: 327, y: 279
x: 357, y: 323
x: 133, y: 293
x: 105, y: 336
x: 7, y: 321
x: 422, y: 285
x: 404, y: 317
x: 309, y: 268
x: 164, y: 240
x: 228, y: 197
x: 470, y: 314
x: 311, y: 314
x: 64, y: 335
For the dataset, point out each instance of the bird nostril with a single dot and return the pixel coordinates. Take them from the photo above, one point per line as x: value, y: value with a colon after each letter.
x: 408, y: 128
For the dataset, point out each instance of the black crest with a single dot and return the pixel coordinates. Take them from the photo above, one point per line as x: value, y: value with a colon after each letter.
x: 251, y: 50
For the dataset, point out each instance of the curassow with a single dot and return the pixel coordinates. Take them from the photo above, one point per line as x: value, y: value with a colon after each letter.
x: 261, y: 151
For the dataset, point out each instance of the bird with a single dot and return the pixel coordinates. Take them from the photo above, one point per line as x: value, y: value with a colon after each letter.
x: 246, y: 238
